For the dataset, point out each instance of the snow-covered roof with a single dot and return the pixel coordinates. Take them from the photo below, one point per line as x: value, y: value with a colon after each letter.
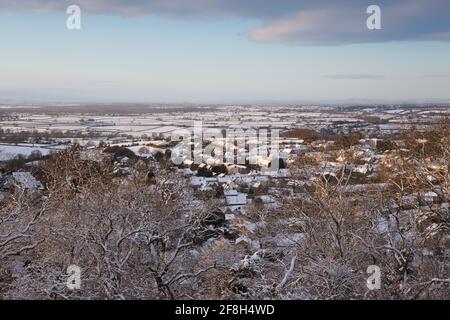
x: 240, y: 199
x: 230, y: 192
x: 27, y: 181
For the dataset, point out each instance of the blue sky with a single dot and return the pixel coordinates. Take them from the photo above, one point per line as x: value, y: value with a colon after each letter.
x: 218, y: 55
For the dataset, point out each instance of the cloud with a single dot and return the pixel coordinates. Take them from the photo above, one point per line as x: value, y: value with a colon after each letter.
x: 354, y: 76
x: 346, y: 24
x: 440, y: 75
x: 308, y: 22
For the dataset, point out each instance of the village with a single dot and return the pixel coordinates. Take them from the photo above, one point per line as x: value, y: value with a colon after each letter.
x: 239, y: 179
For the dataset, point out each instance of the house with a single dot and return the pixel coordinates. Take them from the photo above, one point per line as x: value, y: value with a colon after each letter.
x: 187, y: 163
x: 26, y: 181
x: 230, y: 192
x: 234, y: 168
x: 236, y: 200
x: 374, y: 142
x: 362, y: 169
x: 203, y: 181
x: 266, y: 201
x: 372, y: 187
x: 223, y: 179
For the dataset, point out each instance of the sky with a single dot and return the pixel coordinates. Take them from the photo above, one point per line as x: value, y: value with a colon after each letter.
x: 224, y: 51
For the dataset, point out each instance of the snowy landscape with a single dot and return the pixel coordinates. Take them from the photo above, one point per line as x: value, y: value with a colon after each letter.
x: 378, y: 174
x: 224, y: 158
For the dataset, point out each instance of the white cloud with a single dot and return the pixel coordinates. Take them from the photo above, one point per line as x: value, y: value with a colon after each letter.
x: 308, y: 22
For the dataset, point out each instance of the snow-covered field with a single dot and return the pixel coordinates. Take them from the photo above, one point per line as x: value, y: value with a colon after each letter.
x: 128, y: 129
x: 8, y: 152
